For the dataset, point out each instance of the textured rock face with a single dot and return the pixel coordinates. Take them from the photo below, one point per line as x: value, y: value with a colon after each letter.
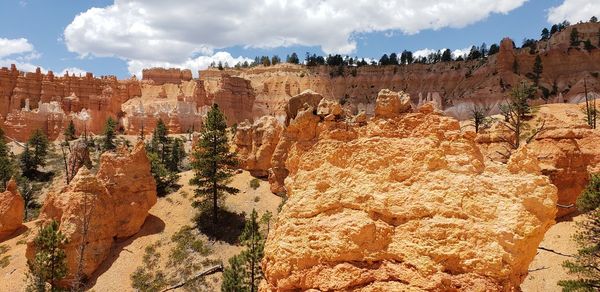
x: 114, y: 202
x: 161, y: 76
x: 298, y: 102
x: 404, y: 204
x: 12, y: 208
x: 234, y: 95
x: 389, y: 104
x: 128, y: 178
x: 85, y: 197
x: 568, y: 152
x: 255, y: 144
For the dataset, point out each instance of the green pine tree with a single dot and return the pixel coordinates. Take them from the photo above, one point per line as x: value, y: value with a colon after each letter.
x: 69, y: 132
x: 109, y: 134
x: 160, y: 141
x: 233, y: 275
x: 28, y: 163
x: 6, y: 165
x: 244, y: 272
x: 213, y: 163
x: 49, y: 262
x: 586, y: 264
x: 177, y: 155
x: 40, y: 144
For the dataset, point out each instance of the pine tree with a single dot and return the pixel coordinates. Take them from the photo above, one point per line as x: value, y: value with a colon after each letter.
x: 28, y: 164
x: 213, y: 163
x: 478, y: 115
x: 6, y: 165
x: 515, y: 110
x: 70, y: 131
x: 177, y: 155
x: 109, y: 134
x: 160, y: 141
x: 244, y: 273
x: 586, y: 264
x: 537, y: 69
x: 49, y: 262
x: 233, y: 275
x: 545, y: 34
x: 40, y: 144
x: 446, y: 56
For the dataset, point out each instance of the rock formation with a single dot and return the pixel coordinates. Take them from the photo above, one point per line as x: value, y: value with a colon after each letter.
x: 12, y: 209
x: 389, y: 104
x: 128, y: 178
x: 568, y: 152
x: 114, y: 203
x: 255, y: 144
x: 161, y: 76
x: 403, y: 203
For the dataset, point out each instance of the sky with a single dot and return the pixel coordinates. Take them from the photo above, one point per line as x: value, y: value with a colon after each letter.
x: 121, y: 37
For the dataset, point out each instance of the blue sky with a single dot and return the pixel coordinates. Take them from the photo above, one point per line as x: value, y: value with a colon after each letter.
x: 123, y: 37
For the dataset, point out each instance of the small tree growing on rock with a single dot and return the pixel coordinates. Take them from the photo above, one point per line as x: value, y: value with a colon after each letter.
x: 515, y: 111
x: 213, y: 163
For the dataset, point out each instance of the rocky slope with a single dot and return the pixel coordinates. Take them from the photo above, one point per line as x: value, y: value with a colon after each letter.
x: 396, y: 204
x: 36, y: 100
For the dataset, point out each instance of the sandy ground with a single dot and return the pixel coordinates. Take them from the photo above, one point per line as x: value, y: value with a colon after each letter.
x: 166, y: 217
x: 546, y: 269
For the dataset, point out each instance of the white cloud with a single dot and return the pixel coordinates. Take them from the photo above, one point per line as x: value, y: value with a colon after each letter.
x: 195, y: 64
x: 574, y: 11
x: 73, y: 70
x: 423, y: 53
x: 175, y: 31
x: 461, y: 52
x: 14, y: 46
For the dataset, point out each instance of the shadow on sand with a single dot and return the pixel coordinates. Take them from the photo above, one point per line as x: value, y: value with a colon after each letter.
x: 152, y: 225
x: 16, y: 233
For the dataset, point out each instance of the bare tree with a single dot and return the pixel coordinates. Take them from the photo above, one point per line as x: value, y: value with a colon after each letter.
x: 479, y: 116
x: 591, y: 111
x: 86, y: 216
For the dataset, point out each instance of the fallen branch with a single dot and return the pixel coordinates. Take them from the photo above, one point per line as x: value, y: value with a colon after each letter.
x: 538, y: 269
x: 209, y: 271
x: 555, y: 252
x: 565, y: 206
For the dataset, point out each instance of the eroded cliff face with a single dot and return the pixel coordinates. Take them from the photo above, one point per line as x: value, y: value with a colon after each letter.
x: 453, y: 86
x: 402, y: 202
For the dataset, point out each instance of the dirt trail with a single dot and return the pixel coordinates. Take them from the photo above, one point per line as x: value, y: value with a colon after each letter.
x: 546, y: 268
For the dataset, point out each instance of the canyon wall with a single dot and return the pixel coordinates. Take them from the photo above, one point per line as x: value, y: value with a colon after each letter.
x: 249, y: 93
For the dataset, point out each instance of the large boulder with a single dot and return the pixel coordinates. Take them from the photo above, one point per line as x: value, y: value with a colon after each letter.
x: 299, y: 102
x: 405, y: 204
x: 12, y: 208
x: 389, y: 103
x: 255, y: 144
x: 128, y: 178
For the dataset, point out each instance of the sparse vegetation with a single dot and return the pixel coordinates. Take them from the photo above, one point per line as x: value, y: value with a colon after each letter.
x: 255, y: 183
x: 6, y: 164
x: 515, y: 110
x: 69, y: 132
x: 4, y: 259
x: 166, y: 155
x: 479, y: 117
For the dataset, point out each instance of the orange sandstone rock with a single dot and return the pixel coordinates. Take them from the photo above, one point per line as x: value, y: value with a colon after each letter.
x: 403, y: 204
x: 12, y: 209
x: 255, y: 144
